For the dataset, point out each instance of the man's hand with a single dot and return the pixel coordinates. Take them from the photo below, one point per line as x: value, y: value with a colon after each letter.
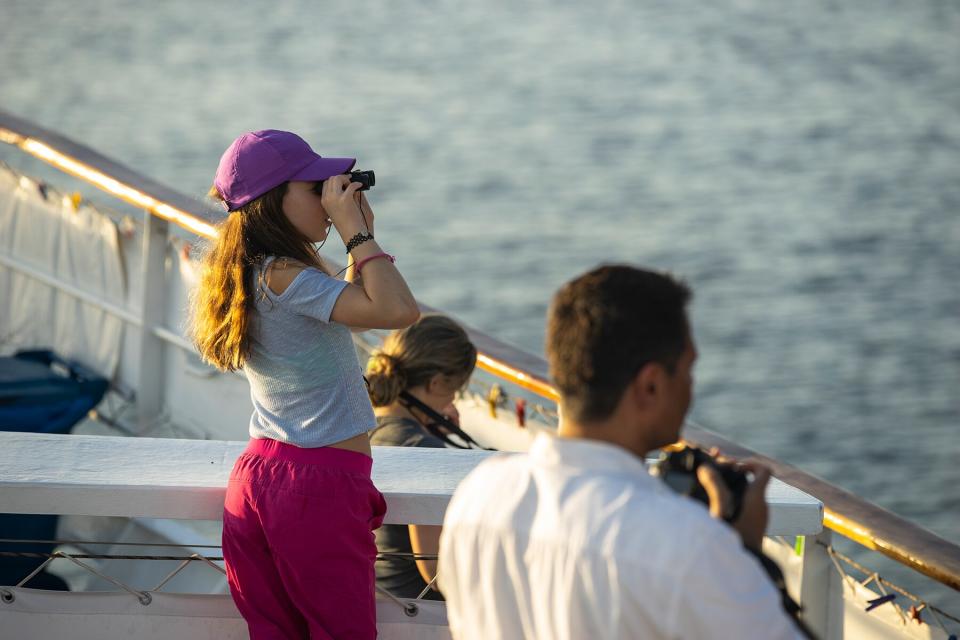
x: 754, y: 512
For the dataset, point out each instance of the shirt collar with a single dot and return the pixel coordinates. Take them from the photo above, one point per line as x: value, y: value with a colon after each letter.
x: 589, y: 455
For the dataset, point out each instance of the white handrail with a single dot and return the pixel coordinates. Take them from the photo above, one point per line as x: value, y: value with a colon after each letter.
x: 186, y: 479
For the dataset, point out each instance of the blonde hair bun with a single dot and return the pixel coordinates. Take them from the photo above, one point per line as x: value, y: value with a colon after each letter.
x: 385, y: 379
x: 410, y: 357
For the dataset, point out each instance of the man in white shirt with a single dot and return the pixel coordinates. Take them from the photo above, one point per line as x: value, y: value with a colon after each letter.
x: 575, y: 540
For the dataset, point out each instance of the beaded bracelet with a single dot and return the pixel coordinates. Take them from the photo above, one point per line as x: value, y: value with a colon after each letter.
x: 358, y: 240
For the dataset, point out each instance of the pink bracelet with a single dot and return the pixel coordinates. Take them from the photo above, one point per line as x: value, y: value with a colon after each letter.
x: 357, y: 267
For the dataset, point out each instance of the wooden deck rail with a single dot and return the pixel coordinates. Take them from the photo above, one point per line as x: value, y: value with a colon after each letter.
x: 844, y: 512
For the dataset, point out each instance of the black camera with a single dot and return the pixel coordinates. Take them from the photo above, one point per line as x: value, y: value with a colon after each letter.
x: 678, y: 470
x: 365, y: 178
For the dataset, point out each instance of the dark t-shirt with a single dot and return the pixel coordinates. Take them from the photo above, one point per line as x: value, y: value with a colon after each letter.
x: 400, y: 575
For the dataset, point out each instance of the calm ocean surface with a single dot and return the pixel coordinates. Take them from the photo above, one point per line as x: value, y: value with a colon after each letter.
x: 797, y: 164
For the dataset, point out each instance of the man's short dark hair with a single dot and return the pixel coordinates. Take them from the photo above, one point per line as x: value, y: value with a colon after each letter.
x: 604, y: 326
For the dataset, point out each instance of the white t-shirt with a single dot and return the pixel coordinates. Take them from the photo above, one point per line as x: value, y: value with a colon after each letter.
x: 575, y: 540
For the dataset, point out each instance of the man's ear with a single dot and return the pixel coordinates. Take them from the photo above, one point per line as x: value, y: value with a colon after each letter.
x: 647, y: 385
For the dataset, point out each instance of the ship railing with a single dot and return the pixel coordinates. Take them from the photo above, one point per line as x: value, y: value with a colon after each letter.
x: 845, y: 514
x: 185, y: 479
x: 145, y: 596
x: 162, y: 480
x: 167, y: 478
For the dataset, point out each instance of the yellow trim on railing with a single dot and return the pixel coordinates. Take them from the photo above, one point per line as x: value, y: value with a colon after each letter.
x: 866, y: 538
x: 112, y: 186
x: 517, y: 377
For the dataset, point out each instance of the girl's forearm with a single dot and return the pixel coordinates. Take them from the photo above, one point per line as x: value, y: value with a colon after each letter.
x: 382, y: 282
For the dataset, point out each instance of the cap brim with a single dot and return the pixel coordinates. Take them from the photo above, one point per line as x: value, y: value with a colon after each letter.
x: 323, y: 168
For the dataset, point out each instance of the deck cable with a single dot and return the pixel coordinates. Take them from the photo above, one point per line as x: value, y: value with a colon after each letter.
x: 882, y: 582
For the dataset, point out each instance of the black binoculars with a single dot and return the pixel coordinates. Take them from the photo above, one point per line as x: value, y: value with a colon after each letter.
x: 366, y: 178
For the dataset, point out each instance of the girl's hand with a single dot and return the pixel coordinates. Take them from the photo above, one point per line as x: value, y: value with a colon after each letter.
x: 338, y: 200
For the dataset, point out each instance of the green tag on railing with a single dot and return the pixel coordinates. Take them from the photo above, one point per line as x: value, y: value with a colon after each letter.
x: 798, y: 545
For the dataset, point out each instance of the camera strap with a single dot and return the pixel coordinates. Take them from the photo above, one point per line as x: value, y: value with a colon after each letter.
x: 439, y: 425
x: 775, y: 574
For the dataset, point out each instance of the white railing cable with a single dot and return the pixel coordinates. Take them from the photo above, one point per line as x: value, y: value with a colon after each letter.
x: 109, y: 556
x: 144, y: 597
x: 407, y: 555
x: 81, y: 543
x: 80, y: 294
x: 883, y: 584
x: 409, y: 608
x: 186, y: 562
x: 37, y: 570
x: 429, y: 586
x: 123, y: 314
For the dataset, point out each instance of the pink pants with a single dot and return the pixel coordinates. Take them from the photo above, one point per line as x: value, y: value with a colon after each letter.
x: 298, y: 541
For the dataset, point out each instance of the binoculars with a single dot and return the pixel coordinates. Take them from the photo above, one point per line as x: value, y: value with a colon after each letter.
x: 366, y: 178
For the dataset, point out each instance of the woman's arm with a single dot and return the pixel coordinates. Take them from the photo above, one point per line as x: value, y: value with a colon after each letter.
x: 354, y: 277
x: 352, y: 274
x: 384, y: 300
x: 425, y: 539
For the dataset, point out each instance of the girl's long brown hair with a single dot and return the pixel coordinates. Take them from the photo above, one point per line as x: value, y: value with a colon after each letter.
x: 225, y: 295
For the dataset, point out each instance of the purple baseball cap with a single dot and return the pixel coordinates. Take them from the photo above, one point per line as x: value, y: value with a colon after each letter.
x: 261, y: 160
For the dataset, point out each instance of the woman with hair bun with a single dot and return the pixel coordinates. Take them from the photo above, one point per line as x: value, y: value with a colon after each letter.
x: 424, y: 364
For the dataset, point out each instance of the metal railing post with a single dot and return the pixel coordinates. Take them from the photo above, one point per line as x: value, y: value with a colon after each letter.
x: 821, y: 592
x: 153, y: 299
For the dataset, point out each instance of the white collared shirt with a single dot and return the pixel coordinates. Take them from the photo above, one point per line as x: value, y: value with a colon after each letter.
x: 575, y: 540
